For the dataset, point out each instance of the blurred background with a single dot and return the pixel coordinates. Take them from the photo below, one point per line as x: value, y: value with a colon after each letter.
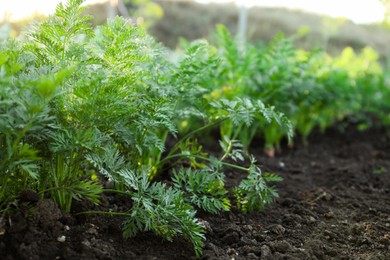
x: 331, y: 25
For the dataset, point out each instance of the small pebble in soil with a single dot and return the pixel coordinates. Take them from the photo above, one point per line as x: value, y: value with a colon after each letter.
x: 281, y: 246
x: 61, y: 239
x: 328, y: 234
x: 312, y: 219
x: 247, y: 228
x: 385, y: 240
x: 356, y: 229
x: 93, y: 230
x: 372, y: 210
x: 259, y: 237
x: 231, y: 251
x: 365, y: 241
x: 266, y: 252
x: 206, y: 225
x: 246, y: 241
x: 86, y: 243
x: 329, y: 215
x: 277, y: 229
x: 327, y: 196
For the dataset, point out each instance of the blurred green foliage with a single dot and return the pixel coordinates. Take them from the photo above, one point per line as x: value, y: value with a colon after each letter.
x: 313, y: 90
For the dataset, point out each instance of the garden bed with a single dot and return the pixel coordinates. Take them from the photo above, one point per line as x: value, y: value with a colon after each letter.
x: 333, y: 204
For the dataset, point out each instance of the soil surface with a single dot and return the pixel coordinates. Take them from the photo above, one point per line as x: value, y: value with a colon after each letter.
x: 333, y: 204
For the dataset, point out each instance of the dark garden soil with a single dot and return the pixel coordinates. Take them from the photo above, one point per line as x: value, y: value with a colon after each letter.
x: 334, y: 204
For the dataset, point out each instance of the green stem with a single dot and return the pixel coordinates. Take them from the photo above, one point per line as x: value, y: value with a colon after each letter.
x: 235, y: 166
x: 201, y: 158
x: 230, y: 147
x: 227, y: 151
x: 158, y: 156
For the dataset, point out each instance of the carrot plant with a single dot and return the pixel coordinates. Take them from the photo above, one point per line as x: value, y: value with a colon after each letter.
x: 81, y: 105
x: 257, y: 78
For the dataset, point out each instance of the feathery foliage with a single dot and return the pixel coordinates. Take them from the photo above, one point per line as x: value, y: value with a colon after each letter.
x: 202, y: 188
x: 161, y: 210
x: 254, y: 193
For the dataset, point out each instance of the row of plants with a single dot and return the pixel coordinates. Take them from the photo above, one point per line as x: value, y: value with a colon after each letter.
x: 80, y: 107
x: 312, y: 89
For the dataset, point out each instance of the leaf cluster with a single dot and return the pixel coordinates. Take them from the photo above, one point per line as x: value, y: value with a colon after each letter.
x: 202, y: 188
x: 161, y: 210
x: 254, y: 193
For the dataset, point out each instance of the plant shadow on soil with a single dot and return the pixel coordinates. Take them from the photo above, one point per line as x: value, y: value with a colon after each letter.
x: 333, y: 204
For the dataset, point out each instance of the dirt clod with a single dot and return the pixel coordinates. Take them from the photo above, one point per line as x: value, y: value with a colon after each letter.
x: 266, y: 252
x: 277, y: 229
x: 281, y: 246
x: 231, y: 238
